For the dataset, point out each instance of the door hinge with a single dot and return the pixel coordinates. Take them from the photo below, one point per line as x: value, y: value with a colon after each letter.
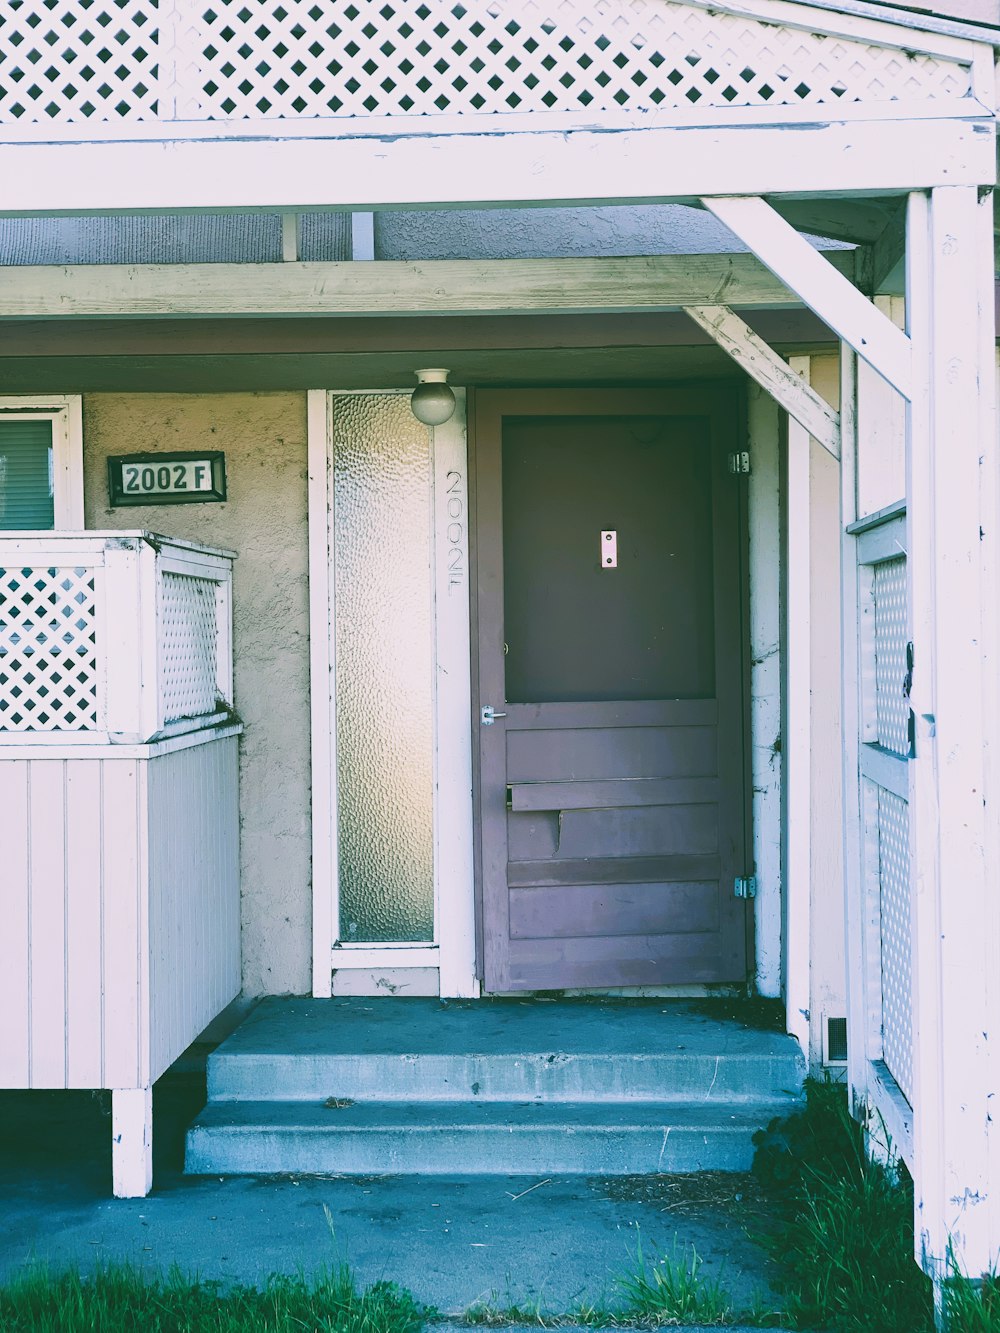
x: 745, y: 886
x: 739, y: 464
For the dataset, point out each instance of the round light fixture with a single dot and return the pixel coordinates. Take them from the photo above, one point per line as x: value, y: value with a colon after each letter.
x: 432, y: 401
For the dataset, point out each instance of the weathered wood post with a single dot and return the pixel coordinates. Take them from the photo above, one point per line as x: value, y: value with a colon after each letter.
x: 951, y: 486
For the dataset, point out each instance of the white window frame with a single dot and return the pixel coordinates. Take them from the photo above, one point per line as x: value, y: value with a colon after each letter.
x: 65, y: 412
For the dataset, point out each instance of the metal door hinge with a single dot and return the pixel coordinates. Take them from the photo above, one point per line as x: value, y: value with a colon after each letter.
x: 745, y: 886
x: 739, y: 464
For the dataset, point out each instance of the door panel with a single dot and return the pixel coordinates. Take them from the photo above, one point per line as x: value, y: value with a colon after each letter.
x: 611, y: 789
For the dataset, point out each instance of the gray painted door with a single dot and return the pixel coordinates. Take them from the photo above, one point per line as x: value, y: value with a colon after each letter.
x: 611, y: 792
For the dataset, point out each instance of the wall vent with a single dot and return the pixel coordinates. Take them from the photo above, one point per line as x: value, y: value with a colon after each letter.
x: 834, y: 1041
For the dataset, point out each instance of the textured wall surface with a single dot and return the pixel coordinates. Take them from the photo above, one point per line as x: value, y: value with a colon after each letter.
x: 264, y: 521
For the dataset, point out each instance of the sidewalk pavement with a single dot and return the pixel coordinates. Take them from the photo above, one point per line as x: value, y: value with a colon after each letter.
x: 535, y: 1244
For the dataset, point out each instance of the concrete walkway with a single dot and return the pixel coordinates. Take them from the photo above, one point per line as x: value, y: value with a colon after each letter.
x: 547, y: 1245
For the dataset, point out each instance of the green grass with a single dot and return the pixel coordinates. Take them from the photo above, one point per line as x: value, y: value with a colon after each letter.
x: 122, y: 1299
x: 844, y: 1246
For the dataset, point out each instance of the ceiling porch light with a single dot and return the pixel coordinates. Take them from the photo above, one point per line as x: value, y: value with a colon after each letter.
x: 432, y: 401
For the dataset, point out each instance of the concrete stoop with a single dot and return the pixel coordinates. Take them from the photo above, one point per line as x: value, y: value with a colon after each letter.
x: 497, y: 1087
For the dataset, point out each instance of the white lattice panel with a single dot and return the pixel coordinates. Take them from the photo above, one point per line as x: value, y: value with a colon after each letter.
x: 894, y: 887
x: 289, y: 58
x: 188, y: 635
x: 113, y: 60
x: 892, y: 709
x: 67, y: 60
x: 48, y: 653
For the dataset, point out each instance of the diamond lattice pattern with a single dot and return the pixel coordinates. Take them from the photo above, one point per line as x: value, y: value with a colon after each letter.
x: 188, y: 646
x: 247, y: 59
x: 70, y: 60
x: 894, y: 893
x: 892, y: 709
x: 48, y: 652
x: 386, y: 57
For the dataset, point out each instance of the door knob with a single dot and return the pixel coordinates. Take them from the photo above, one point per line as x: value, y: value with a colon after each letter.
x: 488, y: 715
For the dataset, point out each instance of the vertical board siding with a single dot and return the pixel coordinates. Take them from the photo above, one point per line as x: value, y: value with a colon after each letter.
x: 47, y: 922
x: 121, y: 913
x: 85, y: 954
x: 71, y: 882
x: 194, y: 894
x: 15, y: 968
x: 125, y: 969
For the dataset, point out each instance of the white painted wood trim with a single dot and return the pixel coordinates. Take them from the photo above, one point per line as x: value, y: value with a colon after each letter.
x: 65, y: 412
x: 99, y: 745
x: 791, y: 258
x: 885, y: 769
x: 490, y: 169
x: 798, y: 728
x: 463, y: 124
x: 363, y: 237
x: 891, y: 1117
x: 132, y: 1142
x: 454, y: 909
x: 321, y: 686
x: 951, y: 325
x: 764, y: 365
x: 376, y: 956
x: 291, y: 237
x: 397, y: 287
x: 857, y: 899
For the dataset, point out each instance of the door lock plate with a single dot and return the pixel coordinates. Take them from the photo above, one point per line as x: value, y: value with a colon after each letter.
x: 609, y: 549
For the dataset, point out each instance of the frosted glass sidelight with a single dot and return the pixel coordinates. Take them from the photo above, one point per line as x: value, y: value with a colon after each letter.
x: 384, y: 673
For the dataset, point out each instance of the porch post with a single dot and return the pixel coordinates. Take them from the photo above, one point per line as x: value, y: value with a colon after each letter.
x: 951, y: 469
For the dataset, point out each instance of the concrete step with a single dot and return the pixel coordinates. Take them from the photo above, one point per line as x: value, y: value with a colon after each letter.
x: 472, y: 1138
x: 415, y: 1050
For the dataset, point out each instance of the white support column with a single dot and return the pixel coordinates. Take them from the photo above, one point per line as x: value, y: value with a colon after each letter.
x: 798, y: 731
x: 854, y: 887
x: 132, y: 1142
x: 950, y: 314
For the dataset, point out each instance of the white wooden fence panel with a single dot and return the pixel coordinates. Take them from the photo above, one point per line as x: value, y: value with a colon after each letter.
x: 125, y: 1049
x: 84, y: 909
x: 47, y: 924
x: 194, y: 893
x: 15, y: 975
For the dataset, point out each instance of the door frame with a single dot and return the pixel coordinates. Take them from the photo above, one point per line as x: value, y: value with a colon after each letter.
x: 739, y: 415
x: 452, y: 952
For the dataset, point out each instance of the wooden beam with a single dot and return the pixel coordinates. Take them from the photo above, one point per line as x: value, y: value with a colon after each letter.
x: 763, y: 364
x: 381, y: 287
x: 858, y: 221
x: 838, y: 303
x: 889, y: 250
x: 879, y: 154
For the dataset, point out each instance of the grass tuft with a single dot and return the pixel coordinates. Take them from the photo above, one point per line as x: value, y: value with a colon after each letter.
x: 123, y: 1299
x: 672, y: 1289
x: 844, y: 1249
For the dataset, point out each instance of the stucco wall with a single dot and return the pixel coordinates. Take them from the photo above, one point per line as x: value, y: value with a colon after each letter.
x: 264, y: 521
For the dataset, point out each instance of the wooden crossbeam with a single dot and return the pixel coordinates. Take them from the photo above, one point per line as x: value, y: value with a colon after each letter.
x: 763, y: 364
x: 381, y: 287
x: 826, y: 292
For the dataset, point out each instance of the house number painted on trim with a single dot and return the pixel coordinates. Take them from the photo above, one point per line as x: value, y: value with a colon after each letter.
x: 174, y: 478
x: 455, y: 505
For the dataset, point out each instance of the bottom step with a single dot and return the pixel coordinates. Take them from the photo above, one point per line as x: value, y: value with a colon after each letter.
x: 487, y: 1138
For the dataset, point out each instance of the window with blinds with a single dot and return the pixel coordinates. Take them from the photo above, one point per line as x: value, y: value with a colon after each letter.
x: 26, y: 492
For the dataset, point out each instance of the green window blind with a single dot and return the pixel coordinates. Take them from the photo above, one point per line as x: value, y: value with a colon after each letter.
x: 26, y: 474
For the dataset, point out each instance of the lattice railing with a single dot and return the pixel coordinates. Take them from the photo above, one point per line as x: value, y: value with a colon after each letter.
x: 188, y: 639
x: 143, y: 60
x: 77, y: 662
x: 48, y: 649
